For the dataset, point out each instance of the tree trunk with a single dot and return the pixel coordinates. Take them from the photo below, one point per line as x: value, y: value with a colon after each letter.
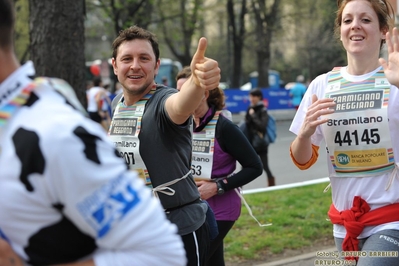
x: 237, y: 32
x: 57, y: 41
x: 263, y: 65
x: 266, y: 21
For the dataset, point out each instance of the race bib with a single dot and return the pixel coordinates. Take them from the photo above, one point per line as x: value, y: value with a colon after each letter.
x: 357, y: 133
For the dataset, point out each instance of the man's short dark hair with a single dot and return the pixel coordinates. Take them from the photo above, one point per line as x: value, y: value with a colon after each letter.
x: 256, y: 93
x: 7, y: 19
x: 132, y: 33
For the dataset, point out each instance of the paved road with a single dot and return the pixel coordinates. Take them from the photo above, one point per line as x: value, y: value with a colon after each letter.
x: 280, y: 162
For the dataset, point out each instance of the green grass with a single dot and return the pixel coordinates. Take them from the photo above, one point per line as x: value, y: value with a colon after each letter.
x: 298, y: 216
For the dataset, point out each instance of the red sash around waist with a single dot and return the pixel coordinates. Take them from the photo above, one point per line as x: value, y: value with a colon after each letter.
x: 355, y: 219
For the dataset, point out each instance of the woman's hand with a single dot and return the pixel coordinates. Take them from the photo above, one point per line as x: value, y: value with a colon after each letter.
x: 207, y: 189
x: 313, y: 118
x: 391, y: 67
x: 301, y: 147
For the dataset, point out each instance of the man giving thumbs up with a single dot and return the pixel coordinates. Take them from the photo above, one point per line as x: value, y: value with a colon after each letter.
x: 151, y: 130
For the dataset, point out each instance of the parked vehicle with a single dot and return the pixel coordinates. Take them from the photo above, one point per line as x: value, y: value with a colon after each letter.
x: 168, y: 71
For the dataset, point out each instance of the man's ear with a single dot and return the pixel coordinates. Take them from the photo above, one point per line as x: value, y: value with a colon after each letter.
x: 113, y: 61
x: 206, y: 95
x: 156, y: 67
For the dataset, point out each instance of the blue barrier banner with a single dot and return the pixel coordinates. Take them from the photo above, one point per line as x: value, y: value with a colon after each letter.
x: 275, y: 99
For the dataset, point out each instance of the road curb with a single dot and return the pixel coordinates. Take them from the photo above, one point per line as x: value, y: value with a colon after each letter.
x: 296, y: 258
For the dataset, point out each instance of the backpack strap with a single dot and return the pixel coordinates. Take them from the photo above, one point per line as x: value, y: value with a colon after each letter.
x: 115, y: 102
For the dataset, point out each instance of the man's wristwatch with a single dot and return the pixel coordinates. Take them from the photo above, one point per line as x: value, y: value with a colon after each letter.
x: 220, y: 188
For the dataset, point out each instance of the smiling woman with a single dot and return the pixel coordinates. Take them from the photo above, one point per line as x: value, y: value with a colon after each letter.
x: 354, y: 109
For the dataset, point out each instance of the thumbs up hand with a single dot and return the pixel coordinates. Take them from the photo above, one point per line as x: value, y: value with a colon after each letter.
x: 205, y: 71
